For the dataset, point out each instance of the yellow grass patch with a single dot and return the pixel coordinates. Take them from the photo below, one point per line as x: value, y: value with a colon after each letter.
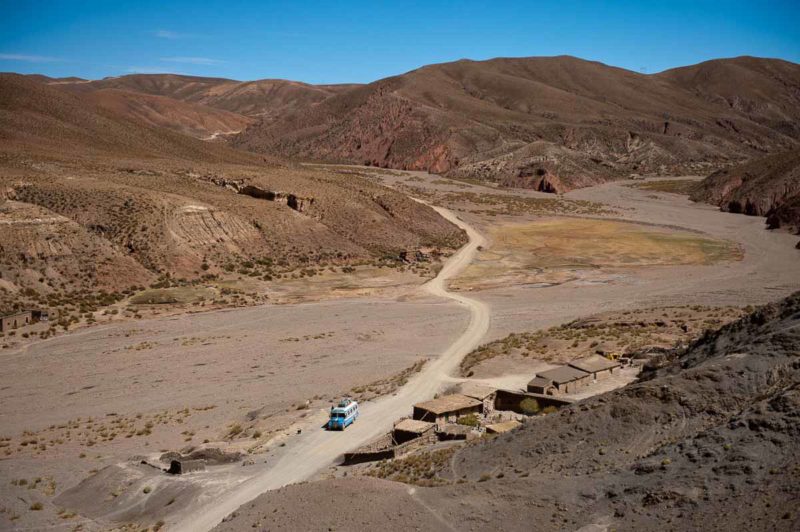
x: 172, y: 296
x: 552, y: 251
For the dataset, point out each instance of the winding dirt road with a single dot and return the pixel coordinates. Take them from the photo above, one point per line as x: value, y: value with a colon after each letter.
x: 316, y: 448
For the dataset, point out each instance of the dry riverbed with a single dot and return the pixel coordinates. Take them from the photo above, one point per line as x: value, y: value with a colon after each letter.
x: 73, y: 404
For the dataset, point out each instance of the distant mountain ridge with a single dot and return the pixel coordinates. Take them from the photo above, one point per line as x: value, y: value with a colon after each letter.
x: 260, y: 98
x: 548, y: 123
x: 543, y: 120
x: 38, y: 118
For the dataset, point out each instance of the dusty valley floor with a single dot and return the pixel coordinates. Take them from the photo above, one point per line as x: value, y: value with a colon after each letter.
x: 259, y: 379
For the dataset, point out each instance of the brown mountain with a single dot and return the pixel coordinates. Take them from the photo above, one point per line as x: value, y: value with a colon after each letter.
x: 766, y: 91
x: 767, y: 186
x: 262, y: 98
x: 37, y: 118
x: 554, y: 122
x: 192, y: 119
x: 93, y: 200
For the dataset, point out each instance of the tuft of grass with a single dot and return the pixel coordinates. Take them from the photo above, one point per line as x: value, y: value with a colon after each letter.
x: 673, y: 186
x: 470, y: 420
x: 529, y: 406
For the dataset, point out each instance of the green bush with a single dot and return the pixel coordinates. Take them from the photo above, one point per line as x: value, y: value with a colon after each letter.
x: 529, y: 406
x: 470, y: 420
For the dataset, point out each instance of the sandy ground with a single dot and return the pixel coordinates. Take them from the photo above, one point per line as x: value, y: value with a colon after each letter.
x: 269, y: 358
x: 246, y: 357
x: 313, y: 450
x: 261, y: 358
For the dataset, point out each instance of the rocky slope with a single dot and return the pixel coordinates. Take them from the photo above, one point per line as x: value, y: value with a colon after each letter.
x: 191, y: 119
x: 765, y: 91
x: 36, y: 118
x: 710, y: 441
x: 79, y: 182
x: 767, y: 186
x: 548, y: 123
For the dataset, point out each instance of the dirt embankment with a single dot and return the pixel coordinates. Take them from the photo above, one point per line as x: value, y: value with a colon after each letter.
x: 709, y: 441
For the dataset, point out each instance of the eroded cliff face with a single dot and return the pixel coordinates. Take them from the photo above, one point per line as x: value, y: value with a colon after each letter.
x: 768, y: 186
x: 300, y: 204
x: 537, y: 177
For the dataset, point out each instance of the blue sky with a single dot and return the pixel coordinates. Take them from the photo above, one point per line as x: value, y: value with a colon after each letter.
x: 336, y: 42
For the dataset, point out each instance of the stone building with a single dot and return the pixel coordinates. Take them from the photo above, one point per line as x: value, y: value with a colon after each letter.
x: 563, y: 380
x: 15, y: 321
x: 597, y: 366
x: 447, y: 409
x: 413, y: 429
x: 484, y: 394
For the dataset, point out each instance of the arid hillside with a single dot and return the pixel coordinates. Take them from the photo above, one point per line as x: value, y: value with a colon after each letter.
x: 191, y: 119
x: 548, y: 123
x: 266, y: 98
x: 766, y: 186
x: 706, y: 440
x: 765, y: 91
x: 37, y: 119
x: 92, y: 200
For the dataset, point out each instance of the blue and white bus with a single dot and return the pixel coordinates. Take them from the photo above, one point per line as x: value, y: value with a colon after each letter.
x: 343, y: 414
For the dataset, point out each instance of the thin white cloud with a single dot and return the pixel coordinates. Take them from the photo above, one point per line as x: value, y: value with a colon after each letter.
x: 149, y: 70
x: 28, y: 58
x: 193, y: 60
x: 167, y: 34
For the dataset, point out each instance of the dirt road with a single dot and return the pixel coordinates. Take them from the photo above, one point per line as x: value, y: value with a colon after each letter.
x: 316, y: 448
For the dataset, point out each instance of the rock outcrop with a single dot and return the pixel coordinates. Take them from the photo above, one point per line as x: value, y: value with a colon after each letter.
x: 298, y: 203
x: 767, y: 186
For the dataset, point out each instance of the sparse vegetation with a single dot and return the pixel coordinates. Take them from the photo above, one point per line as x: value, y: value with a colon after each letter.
x: 420, y: 469
x: 529, y: 406
x: 614, y: 333
x: 388, y: 385
x: 673, y: 186
x: 470, y: 420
